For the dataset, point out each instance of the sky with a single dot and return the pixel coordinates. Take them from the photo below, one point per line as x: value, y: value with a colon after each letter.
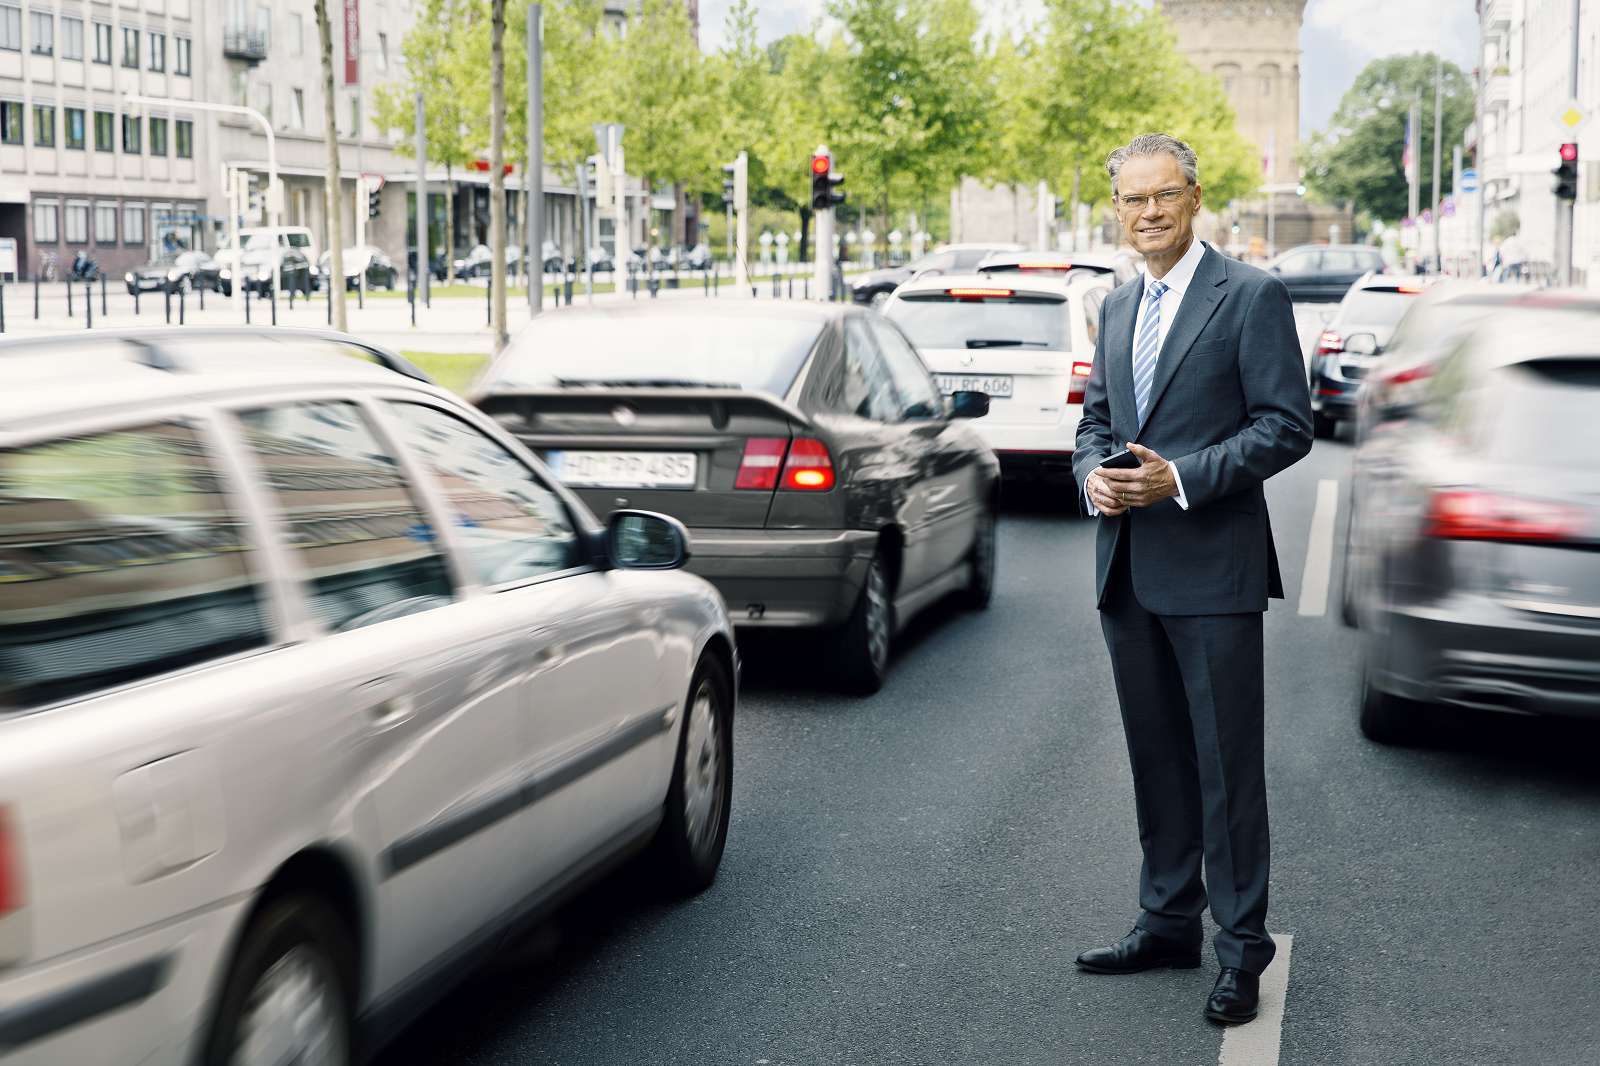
x: 1337, y: 39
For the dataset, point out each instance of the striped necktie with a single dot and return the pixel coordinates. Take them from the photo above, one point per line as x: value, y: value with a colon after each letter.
x: 1147, y: 348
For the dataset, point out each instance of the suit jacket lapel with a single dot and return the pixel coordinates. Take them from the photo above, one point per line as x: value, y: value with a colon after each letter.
x: 1200, y: 302
x: 1120, y: 320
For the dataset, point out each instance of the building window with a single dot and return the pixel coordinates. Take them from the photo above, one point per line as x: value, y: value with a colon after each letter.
x: 102, y: 42
x: 10, y: 29
x: 158, y: 136
x: 44, y: 125
x: 130, y: 47
x: 383, y: 51
x: 183, y: 138
x: 131, y: 128
x: 263, y: 101
x: 43, y: 25
x: 77, y: 223
x: 10, y: 121
x: 44, y: 224
x: 105, y: 125
x: 297, y: 109
x: 297, y: 35
x: 158, y: 51
x: 180, y: 47
x: 355, y: 117
x: 75, y: 131
x: 105, y: 223
x: 71, y: 38
x: 132, y: 223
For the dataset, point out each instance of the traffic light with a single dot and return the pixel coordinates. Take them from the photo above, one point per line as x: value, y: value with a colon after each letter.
x: 1566, y: 184
x: 728, y: 171
x: 255, y: 199
x: 374, y: 196
x: 823, y: 194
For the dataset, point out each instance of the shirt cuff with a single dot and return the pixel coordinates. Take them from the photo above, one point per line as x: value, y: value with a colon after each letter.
x: 1183, y: 501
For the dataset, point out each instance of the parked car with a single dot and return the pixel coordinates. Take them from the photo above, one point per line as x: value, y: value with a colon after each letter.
x: 380, y: 271
x: 314, y: 687
x: 697, y: 258
x: 1325, y: 271
x: 1120, y: 265
x: 298, y: 238
x: 827, y: 483
x: 1475, y: 525
x: 554, y: 261
x: 1351, y: 342
x: 601, y: 260
x: 873, y: 287
x: 257, y: 262
x: 1027, y: 341
x: 177, y: 272
x: 476, y: 263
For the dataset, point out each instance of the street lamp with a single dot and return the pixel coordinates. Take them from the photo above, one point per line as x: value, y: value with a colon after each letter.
x: 274, y: 193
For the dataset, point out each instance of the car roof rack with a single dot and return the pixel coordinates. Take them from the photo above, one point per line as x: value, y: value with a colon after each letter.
x: 153, y: 351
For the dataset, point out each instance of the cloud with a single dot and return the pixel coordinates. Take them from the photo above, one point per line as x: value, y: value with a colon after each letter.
x: 1340, y: 37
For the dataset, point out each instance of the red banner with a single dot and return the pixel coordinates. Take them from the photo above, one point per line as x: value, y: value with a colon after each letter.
x: 352, y: 42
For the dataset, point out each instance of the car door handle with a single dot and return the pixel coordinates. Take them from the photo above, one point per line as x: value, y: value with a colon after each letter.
x: 386, y: 700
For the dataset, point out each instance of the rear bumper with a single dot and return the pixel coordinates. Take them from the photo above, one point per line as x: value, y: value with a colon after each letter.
x: 1032, y: 451
x: 784, y: 578
x: 1477, y: 653
x: 1334, y: 397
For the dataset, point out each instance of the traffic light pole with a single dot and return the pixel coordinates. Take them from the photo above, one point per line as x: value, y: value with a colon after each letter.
x: 1564, y: 206
x: 741, y: 207
x: 823, y: 281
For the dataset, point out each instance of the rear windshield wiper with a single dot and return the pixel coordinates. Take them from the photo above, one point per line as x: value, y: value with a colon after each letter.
x: 1004, y: 342
x: 643, y: 383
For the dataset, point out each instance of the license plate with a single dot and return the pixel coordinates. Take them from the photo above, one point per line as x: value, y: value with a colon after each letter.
x: 624, y: 470
x: 996, y: 385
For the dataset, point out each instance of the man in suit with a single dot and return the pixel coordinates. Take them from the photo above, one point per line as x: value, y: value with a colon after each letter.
x: 1198, y: 373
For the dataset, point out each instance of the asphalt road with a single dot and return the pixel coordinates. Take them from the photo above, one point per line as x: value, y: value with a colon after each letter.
x: 909, y: 876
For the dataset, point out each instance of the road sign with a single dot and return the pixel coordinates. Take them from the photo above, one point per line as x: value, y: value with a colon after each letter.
x: 8, y: 256
x: 1571, y: 117
x: 1469, y: 180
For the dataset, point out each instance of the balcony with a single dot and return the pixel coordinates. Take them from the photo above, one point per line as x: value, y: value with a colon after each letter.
x: 249, y: 45
x: 1496, y: 16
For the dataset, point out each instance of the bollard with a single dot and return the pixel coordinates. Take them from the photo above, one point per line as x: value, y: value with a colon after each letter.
x: 706, y: 279
x: 36, y: 297
x: 201, y: 290
x: 806, y: 288
x: 777, y: 284
x: 329, y: 302
x: 272, y: 298
x: 180, y: 306
x: 361, y: 296
x: 102, y: 295
x: 2, y: 305
x: 247, y: 305
x: 167, y: 296
x: 791, y: 286
x: 411, y: 298
x: 88, y: 303
x: 69, y: 299
x: 291, y: 297
x: 567, y: 287
x: 136, y: 301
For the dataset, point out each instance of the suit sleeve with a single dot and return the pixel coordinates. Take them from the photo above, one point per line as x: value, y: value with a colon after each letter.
x: 1094, y: 427
x: 1277, y: 433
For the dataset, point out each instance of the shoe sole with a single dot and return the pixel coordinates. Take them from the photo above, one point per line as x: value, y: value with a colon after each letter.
x: 1230, y: 1019
x: 1173, y: 964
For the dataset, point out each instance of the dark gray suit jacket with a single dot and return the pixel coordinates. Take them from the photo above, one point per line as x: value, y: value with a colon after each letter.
x: 1230, y: 408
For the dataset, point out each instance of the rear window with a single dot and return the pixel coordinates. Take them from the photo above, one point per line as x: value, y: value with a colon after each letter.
x: 759, y: 354
x: 938, y: 320
x: 1375, y: 307
x: 967, y: 258
x: 1544, y: 412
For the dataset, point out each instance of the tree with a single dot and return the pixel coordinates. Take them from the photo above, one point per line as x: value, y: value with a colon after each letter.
x: 497, y: 177
x: 331, y: 183
x: 1358, y: 157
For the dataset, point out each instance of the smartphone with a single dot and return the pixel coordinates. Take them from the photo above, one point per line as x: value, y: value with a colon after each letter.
x: 1123, y: 460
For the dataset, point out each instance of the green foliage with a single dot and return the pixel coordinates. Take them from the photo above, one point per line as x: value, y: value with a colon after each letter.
x: 1358, y: 157
x: 669, y: 114
x: 1505, y: 224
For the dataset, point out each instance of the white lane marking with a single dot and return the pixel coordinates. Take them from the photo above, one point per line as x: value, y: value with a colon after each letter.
x: 1319, y: 555
x: 1257, y: 1043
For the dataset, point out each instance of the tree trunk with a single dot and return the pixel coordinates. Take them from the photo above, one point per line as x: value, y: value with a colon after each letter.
x: 449, y: 225
x: 497, y: 177
x: 331, y: 183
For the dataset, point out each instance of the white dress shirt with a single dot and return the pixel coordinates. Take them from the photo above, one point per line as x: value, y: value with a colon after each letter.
x: 1177, y: 280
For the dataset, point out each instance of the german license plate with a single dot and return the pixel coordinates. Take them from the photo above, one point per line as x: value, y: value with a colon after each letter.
x: 624, y: 470
x: 996, y: 385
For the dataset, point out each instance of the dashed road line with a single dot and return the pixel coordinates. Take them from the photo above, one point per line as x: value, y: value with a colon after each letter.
x: 1319, y: 554
x: 1257, y: 1043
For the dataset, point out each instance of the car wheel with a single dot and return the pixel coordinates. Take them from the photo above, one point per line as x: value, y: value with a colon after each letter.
x: 980, y: 588
x: 133, y: 290
x: 289, y: 994
x: 1322, y: 426
x: 864, y: 640
x: 1387, y: 719
x: 694, y: 825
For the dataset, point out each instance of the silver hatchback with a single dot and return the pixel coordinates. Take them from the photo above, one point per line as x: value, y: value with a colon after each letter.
x: 313, y: 686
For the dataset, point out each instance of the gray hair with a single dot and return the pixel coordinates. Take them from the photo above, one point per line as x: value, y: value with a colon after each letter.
x: 1149, y: 144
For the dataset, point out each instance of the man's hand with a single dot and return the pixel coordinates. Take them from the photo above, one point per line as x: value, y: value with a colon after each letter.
x: 1151, y: 483
x: 1103, y: 496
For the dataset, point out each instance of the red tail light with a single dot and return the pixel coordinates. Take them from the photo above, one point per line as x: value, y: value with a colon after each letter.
x: 1470, y: 515
x: 1330, y: 343
x: 809, y: 467
x: 976, y: 293
x: 758, y: 469
x: 11, y: 896
x: 1079, y: 382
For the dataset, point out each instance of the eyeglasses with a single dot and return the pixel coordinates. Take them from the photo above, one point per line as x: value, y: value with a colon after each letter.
x: 1164, y: 198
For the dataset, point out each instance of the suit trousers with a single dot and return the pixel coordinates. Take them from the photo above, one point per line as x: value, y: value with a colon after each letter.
x: 1192, y: 696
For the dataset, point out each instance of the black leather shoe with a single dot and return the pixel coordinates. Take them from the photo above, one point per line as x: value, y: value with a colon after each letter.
x: 1234, y: 998
x: 1138, y: 951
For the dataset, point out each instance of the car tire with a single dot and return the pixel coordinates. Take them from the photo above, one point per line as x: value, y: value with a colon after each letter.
x: 694, y: 824
x: 980, y: 588
x: 293, y: 976
x: 1322, y: 426
x: 864, y: 640
x: 1387, y: 719
x: 133, y: 290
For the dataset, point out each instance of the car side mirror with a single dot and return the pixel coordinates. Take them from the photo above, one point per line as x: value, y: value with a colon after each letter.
x: 967, y: 404
x: 645, y: 540
x: 1361, y: 344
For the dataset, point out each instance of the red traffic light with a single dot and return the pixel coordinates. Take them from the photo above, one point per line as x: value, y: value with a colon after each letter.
x: 820, y: 164
x: 1569, y: 152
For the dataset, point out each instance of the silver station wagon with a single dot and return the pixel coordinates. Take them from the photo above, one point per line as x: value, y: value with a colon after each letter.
x: 314, y: 686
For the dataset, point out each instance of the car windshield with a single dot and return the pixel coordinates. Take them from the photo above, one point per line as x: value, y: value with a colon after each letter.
x: 763, y: 354
x: 938, y: 320
x: 1375, y: 307
x: 258, y: 242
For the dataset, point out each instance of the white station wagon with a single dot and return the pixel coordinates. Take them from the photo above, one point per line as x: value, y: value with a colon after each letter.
x: 313, y: 687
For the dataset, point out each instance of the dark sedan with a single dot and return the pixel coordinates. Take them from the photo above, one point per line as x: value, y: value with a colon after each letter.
x: 827, y: 483
x: 256, y: 268
x: 1475, y: 524
x: 873, y: 288
x: 380, y: 271
x: 1325, y: 271
x: 177, y: 272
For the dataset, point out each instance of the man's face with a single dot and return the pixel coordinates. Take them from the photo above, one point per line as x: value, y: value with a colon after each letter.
x: 1163, y: 221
